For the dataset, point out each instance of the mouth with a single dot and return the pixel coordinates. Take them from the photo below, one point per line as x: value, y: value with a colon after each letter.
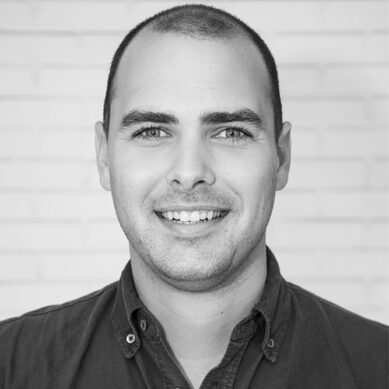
x: 191, y: 217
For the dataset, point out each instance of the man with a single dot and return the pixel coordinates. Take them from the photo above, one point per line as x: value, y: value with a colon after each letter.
x: 193, y: 149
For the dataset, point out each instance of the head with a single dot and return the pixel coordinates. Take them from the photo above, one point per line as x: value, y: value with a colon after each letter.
x: 192, y: 145
x: 200, y: 22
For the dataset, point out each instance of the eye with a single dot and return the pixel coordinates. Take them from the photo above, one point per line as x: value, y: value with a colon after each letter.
x: 233, y: 134
x: 151, y: 134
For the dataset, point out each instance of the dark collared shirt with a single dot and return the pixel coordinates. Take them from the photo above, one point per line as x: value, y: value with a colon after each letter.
x: 108, y: 339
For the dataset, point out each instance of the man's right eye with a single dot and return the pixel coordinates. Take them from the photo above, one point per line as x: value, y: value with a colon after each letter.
x: 151, y: 134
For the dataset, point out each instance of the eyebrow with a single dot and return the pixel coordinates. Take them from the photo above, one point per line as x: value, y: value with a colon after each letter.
x: 136, y: 117
x: 244, y: 115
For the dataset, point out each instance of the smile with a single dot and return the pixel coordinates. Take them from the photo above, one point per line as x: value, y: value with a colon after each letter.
x: 191, y: 217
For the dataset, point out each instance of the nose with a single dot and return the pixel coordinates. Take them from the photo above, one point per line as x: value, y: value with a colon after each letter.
x: 191, y: 166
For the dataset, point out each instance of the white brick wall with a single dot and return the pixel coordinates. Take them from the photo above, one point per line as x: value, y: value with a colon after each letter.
x: 58, y: 234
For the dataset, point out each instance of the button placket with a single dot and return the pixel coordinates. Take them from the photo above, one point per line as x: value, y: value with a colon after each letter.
x: 130, y: 338
x: 270, y: 343
x: 143, y: 325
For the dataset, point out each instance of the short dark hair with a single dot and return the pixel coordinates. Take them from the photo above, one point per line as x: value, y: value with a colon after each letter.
x: 198, y: 21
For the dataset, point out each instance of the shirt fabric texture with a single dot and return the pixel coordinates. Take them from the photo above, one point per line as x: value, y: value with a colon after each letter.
x: 109, y: 340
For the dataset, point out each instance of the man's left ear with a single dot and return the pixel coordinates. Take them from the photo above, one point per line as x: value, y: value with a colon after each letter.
x: 102, y: 160
x: 283, y: 151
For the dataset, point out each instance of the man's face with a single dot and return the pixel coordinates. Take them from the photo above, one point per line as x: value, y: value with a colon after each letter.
x: 191, y: 158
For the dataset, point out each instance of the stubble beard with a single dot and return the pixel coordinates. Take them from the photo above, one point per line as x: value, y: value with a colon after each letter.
x: 192, y: 265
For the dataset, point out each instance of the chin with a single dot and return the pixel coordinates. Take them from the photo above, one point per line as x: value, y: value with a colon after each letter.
x: 199, y: 272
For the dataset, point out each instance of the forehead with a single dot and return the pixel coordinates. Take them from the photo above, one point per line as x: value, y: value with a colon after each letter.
x: 168, y: 70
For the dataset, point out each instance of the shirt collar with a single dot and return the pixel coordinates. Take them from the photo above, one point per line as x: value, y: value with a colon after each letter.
x: 274, y: 307
x: 126, y: 303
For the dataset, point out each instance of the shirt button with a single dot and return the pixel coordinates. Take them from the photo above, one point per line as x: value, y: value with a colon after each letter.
x: 143, y: 324
x: 130, y: 338
x: 270, y: 343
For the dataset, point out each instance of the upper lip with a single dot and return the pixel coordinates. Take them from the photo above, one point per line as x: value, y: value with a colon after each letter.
x: 190, y: 207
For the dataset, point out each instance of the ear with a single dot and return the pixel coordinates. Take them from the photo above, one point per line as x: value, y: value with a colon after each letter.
x: 283, y: 150
x: 101, y: 145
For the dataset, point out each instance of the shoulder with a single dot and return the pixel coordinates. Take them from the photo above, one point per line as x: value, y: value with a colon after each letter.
x: 360, y: 342
x: 45, y: 323
x: 339, y: 318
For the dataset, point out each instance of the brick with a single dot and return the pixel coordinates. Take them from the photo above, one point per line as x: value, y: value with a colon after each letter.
x: 349, y: 265
x: 305, y: 142
x: 355, y: 205
x: 377, y: 235
x: 377, y: 47
x: 68, y: 81
x: 330, y: 112
x: 379, y: 111
x: 38, y: 235
x: 349, y: 295
x: 91, y: 177
x: 99, y: 49
x: 16, y: 81
x: 327, y: 174
x: 18, y: 143
x: 75, y: 16
x: 265, y: 16
x: 40, y: 49
x: 79, y: 144
x: 15, y: 205
x: 379, y: 173
x: 346, y: 143
x: 75, y: 205
x: 295, y: 205
x: 318, y: 235
x: 300, y: 80
x: 378, y: 295
x: 64, y: 16
x: 35, y: 112
x: 105, y: 235
x: 104, y: 267
x: 17, y: 268
x: 300, y: 265
x: 44, y: 174
x: 337, y: 48
x: 361, y: 15
x: 362, y: 81
x: 92, y: 110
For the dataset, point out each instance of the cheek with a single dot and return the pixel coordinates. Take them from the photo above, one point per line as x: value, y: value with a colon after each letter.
x: 250, y: 173
x: 133, y: 176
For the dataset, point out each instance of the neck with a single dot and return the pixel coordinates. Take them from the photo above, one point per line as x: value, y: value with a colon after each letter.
x: 198, y: 325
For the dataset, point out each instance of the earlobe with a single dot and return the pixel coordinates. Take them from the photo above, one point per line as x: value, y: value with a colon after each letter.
x: 283, y: 150
x: 102, y: 160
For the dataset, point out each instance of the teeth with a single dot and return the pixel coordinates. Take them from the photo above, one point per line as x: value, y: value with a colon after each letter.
x: 191, y: 217
x: 184, y: 216
x: 195, y: 216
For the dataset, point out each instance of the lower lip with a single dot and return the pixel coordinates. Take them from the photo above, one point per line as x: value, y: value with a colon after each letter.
x: 191, y: 230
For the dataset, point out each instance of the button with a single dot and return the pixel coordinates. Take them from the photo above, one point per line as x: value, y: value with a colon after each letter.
x: 270, y: 343
x: 143, y: 324
x: 130, y: 338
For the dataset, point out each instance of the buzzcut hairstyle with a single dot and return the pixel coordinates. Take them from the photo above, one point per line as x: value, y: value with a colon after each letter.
x: 200, y: 22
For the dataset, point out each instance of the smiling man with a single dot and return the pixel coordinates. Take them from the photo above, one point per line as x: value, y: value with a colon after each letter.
x: 193, y: 149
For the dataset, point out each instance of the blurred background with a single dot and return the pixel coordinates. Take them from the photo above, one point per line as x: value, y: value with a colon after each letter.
x: 59, y: 238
